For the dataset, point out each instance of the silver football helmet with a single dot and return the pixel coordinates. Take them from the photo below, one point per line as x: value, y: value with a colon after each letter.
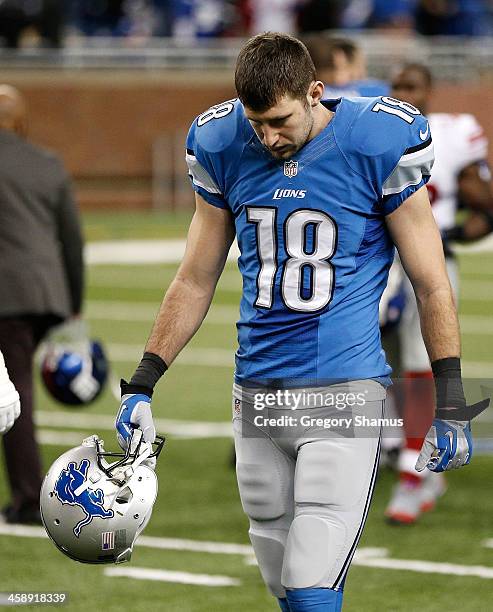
x: 92, y: 509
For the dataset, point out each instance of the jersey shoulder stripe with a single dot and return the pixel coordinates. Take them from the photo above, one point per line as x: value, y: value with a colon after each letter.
x: 412, y: 167
x: 199, y: 175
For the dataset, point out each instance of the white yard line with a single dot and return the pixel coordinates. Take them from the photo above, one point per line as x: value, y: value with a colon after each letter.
x: 93, y: 422
x: 134, y: 252
x: 217, y: 548
x: 209, y: 357
x: 140, y: 312
x: 365, y: 557
x: 139, y: 252
x: 203, y: 546
x: 52, y: 437
x: 226, y: 284
x: 143, y: 573
x: 427, y: 567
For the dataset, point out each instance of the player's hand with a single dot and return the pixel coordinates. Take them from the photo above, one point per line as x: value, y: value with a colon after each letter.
x: 448, y: 443
x: 447, y: 446
x: 134, y: 413
x: 10, y: 405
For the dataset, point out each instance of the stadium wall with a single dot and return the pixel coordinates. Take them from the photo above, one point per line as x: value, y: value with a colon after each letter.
x: 107, y: 127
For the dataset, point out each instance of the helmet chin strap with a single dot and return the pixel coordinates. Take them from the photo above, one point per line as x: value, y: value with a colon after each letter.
x: 143, y: 456
x: 126, y: 470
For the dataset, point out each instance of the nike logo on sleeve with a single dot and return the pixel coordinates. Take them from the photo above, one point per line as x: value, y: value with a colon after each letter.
x: 424, y: 135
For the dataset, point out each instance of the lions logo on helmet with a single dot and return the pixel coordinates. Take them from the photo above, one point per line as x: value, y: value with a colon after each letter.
x: 90, y: 500
x: 75, y: 377
x: 94, y: 510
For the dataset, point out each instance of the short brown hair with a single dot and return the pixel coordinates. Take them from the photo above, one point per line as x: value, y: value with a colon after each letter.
x: 270, y: 66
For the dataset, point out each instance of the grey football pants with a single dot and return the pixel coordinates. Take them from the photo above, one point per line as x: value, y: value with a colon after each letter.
x: 306, y: 489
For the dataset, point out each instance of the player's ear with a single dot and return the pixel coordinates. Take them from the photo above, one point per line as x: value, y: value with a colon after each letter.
x: 315, y: 93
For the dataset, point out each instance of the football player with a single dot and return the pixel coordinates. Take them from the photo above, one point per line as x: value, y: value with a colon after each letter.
x: 460, y: 176
x: 316, y: 194
x: 341, y: 65
x: 10, y: 405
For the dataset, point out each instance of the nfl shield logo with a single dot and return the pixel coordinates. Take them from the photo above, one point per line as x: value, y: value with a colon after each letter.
x: 237, y: 406
x: 290, y: 168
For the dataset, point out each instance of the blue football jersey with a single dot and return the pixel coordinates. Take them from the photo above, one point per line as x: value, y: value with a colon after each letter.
x: 314, y: 248
x: 364, y: 88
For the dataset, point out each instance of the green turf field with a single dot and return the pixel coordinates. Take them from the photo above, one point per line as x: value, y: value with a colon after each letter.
x: 198, y: 499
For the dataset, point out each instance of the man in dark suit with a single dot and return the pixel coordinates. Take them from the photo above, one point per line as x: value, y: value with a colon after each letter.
x: 41, y: 271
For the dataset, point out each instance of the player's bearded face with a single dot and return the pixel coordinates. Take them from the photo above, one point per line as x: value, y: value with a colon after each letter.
x: 284, y: 128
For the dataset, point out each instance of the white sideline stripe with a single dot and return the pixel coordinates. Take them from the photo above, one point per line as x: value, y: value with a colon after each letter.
x: 218, y: 548
x: 488, y: 543
x: 211, y: 357
x: 142, y: 573
x: 51, y: 437
x: 365, y: 557
x: 225, y: 285
x: 139, y: 252
x: 142, y: 312
x: 427, y: 567
x: 91, y: 422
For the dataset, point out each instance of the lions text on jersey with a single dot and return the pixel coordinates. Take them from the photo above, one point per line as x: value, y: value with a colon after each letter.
x: 314, y: 249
